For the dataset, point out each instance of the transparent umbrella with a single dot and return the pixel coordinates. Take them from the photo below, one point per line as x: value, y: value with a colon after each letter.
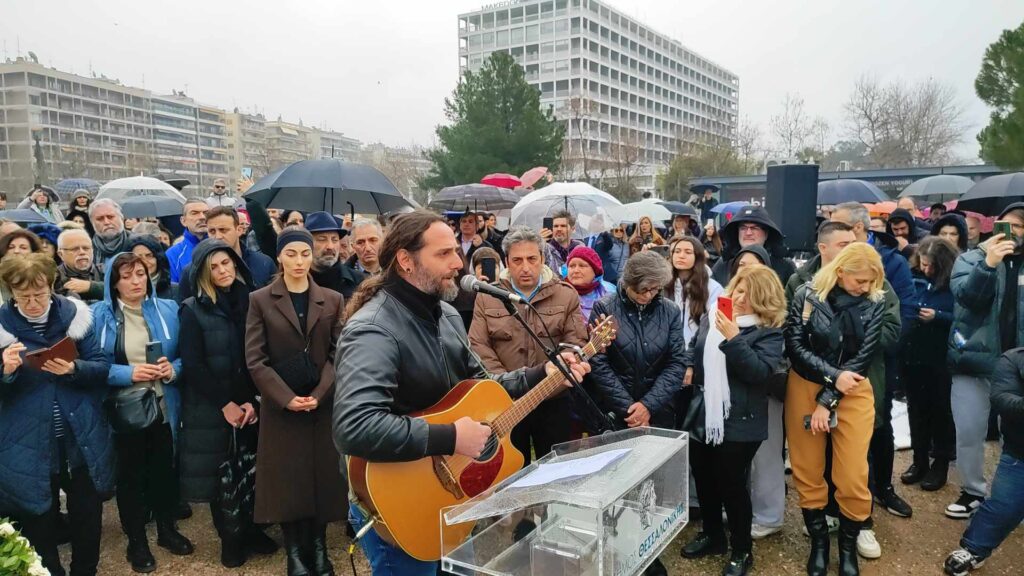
x: 122, y: 188
x: 634, y: 211
x: 594, y: 209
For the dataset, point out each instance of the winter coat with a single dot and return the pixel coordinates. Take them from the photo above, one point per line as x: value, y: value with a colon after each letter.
x: 500, y: 340
x: 93, y: 276
x: 645, y: 363
x: 613, y: 253
x: 925, y: 342
x: 897, y: 272
x: 340, y: 278
x: 555, y: 255
x: 180, y: 255
x: 817, y: 358
x: 774, y: 245
x: 161, y: 318
x: 260, y: 270
x: 213, y: 373
x: 953, y: 220
x: 26, y: 409
x: 751, y: 358
x: 297, y: 467
x: 1008, y: 400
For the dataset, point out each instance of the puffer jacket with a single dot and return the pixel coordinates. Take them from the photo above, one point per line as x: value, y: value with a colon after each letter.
x: 1008, y: 400
x: 926, y: 341
x: 645, y: 363
x: 26, y: 409
x: 816, y: 357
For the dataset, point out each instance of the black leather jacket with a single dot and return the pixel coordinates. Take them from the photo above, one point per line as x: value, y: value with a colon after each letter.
x: 815, y: 354
x: 401, y: 353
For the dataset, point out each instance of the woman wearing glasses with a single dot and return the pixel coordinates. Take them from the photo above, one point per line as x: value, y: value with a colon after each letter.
x: 54, y: 411
x: 613, y: 248
x: 640, y: 373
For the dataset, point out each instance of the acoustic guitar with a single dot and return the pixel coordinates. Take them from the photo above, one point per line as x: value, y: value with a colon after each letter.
x: 405, y: 499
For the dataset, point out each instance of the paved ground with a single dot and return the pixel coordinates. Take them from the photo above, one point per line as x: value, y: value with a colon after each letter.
x: 910, y: 546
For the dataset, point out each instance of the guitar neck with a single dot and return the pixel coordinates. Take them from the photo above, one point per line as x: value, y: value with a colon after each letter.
x: 547, y: 387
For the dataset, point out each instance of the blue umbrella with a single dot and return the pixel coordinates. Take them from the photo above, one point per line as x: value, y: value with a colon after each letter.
x: 833, y: 192
x: 22, y: 216
x: 328, y: 185
x: 729, y: 208
x: 65, y: 188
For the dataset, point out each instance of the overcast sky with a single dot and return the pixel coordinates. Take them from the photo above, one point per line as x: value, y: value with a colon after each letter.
x: 379, y: 71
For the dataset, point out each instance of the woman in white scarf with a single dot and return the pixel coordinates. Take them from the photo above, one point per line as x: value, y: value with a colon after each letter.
x: 732, y: 360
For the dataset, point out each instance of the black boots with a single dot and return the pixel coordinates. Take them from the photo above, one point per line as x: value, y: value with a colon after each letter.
x: 168, y: 538
x: 703, y: 545
x: 296, y: 549
x: 739, y: 564
x: 817, y: 528
x: 848, y: 531
x: 321, y: 563
x: 935, y: 479
x: 139, y: 554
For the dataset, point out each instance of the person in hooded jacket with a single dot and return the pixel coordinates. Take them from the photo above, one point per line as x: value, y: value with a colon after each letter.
x: 749, y: 256
x: 219, y: 397
x: 926, y: 375
x: 152, y: 253
x: 55, y: 414
x: 129, y: 317
x: 752, y: 225
x: 952, y: 227
x: 903, y: 226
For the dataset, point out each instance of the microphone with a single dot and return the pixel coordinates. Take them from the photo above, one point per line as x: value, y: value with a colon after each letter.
x: 471, y: 284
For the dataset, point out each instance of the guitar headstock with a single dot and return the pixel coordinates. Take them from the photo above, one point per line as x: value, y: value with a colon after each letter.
x: 603, y: 332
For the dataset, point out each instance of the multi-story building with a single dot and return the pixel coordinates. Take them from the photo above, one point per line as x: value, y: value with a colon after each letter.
x: 213, y: 145
x: 403, y: 166
x: 247, y: 145
x: 627, y: 93
x: 287, y: 143
x: 330, y: 144
x: 189, y: 141
x: 85, y: 127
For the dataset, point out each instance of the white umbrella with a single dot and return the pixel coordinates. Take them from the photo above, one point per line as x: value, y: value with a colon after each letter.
x: 634, y: 211
x: 592, y: 208
x: 118, y: 190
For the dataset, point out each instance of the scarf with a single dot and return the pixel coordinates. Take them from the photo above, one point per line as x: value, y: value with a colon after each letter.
x: 847, y: 326
x: 584, y: 290
x: 107, y: 248
x: 717, y: 396
x: 89, y: 275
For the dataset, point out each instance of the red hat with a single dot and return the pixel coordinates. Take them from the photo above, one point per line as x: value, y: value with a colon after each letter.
x: 589, y: 256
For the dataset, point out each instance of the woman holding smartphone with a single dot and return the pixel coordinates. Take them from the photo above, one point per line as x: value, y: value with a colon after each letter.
x: 837, y: 329
x: 645, y: 235
x: 138, y: 335
x: 731, y: 358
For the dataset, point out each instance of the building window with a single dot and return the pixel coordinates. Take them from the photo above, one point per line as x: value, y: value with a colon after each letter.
x: 532, y: 33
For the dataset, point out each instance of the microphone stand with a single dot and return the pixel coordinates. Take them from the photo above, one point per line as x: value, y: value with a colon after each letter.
x: 596, y: 421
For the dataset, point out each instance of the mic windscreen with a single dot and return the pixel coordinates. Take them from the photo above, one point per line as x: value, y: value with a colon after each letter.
x: 467, y: 283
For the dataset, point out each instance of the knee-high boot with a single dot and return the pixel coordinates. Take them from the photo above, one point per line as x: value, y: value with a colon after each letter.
x: 848, y: 532
x: 817, y: 528
x: 295, y: 546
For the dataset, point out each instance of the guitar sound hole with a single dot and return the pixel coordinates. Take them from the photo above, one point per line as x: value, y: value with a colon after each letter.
x: 490, y: 449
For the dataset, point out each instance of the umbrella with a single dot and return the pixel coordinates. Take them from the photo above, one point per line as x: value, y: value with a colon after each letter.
x: 993, y: 194
x: 151, y: 207
x: 832, y: 192
x: 881, y: 207
x: 532, y: 176
x: 177, y: 182
x: 328, y: 185
x: 729, y: 208
x: 502, y: 180
x: 680, y: 209
x: 634, y: 211
x: 937, y: 186
x: 475, y: 196
x: 122, y: 188
x: 593, y: 208
x: 65, y: 188
x: 700, y: 188
x: 22, y: 216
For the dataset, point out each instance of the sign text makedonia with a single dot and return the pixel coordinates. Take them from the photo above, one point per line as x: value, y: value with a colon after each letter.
x: 503, y: 4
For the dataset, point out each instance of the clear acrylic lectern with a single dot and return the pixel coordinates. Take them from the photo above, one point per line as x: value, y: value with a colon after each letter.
x: 560, y: 517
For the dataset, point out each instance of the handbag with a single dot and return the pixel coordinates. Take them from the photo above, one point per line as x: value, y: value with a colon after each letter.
x: 132, y: 409
x: 777, y: 381
x: 298, y: 372
x: 236, y: 492
x: 693, y: 421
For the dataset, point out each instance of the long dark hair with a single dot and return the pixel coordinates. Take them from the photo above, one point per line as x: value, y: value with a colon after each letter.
x: 942, y: 253
x: 695, y: 288
x: 404, y: 233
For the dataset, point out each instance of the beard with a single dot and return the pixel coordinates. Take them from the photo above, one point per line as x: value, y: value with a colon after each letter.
x: 325, y: 260
x: 440, y: 286
x: 109, y: 234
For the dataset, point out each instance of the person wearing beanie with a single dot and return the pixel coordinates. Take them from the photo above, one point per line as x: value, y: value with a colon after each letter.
x: 47, y: 234
x: 586, y: 274
x: 294, y: 322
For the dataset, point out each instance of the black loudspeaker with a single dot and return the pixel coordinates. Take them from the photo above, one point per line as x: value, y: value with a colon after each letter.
x: 791, y: 198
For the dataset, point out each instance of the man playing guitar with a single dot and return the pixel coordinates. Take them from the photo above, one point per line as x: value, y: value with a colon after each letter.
x: 402, y: 350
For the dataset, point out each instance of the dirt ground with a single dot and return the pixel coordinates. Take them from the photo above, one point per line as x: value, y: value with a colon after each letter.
x: 915, y: 546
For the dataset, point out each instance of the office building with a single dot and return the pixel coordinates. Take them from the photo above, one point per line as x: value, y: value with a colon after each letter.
x: 330, y: 144
x: 247, y: 145
x: 189, y: 141
x: 287, y: 143
x: 626, y: 92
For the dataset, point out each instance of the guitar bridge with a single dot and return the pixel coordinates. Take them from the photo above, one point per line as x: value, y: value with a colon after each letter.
x: 445, y: 476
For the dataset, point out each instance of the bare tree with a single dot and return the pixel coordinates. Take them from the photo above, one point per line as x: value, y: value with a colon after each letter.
x: 623, y: 158
x: 791, y: 127
x: 821, y: 132
x: 580, y: 108
x: 749, y: 144
x: 900, y: 125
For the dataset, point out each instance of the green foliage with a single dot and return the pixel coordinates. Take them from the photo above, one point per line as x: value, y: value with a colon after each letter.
x: 17, y: 558
x: 495, y: 125
x: 700, y: 160
x: 1000, y: 84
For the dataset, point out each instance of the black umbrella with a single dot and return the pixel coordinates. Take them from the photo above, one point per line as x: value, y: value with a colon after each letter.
x: 833, y: 192
x: 993, y: 194
x: 327, y: 185
x: 22, y: 216
x: 680, y: 209
x: 151, y: 207
x: 475, y: 196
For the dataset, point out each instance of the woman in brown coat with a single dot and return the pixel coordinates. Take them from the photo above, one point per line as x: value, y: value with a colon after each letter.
x: 298, y: 478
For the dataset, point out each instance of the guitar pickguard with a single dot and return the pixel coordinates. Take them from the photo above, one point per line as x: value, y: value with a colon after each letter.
x: 480, y: 476
x: 444, y: 475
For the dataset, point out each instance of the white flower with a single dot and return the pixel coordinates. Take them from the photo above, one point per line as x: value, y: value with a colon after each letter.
x: 36, y: 569
x: 6, y: 529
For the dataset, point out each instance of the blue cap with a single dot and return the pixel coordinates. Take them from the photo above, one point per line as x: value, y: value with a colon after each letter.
x: 323, y: 222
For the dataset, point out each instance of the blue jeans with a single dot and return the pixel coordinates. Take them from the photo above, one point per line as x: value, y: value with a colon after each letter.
x: 1002, y: 511
x: 385, y: 559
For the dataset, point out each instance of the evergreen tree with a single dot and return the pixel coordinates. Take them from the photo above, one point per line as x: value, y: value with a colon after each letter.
x: 1000, y: 84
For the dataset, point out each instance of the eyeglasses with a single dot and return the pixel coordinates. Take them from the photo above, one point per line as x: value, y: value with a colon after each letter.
x: 618, y: 231
x: 218, y: 187
x: 750, y: 228
x: 29, y: 298
x: 645, y: 291
x: 74, y: 249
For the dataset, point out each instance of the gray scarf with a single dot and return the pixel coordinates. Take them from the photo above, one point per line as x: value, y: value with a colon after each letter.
x: 105, y: 249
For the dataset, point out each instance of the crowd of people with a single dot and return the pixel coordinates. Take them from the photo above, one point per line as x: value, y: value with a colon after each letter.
x: 267, y: 339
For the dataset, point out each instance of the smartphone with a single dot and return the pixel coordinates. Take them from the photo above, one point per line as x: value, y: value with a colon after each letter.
x: 711, y: 222
x: 549, y: 223
x: 663, y: 250
x: 725, y: 306
x: 833, y: 421
x: 1003, y: 227
x: 154, y: 352
x: 490, y: 268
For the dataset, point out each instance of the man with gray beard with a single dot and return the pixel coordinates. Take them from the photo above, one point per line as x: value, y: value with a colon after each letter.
x: 329, y: 270
x: 110, y: 237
